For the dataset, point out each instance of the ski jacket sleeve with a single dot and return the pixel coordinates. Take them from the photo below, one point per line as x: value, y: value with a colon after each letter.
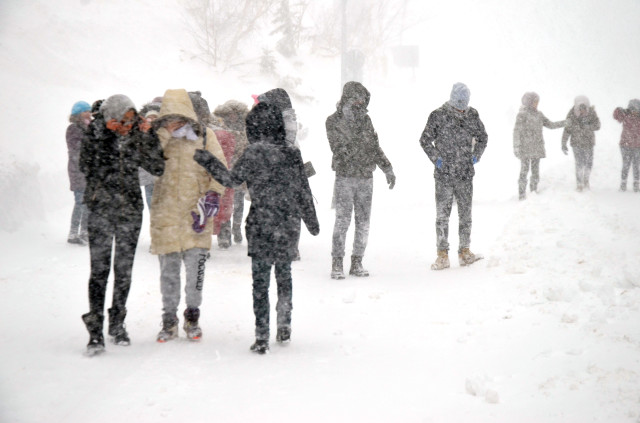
x: 429, y: 136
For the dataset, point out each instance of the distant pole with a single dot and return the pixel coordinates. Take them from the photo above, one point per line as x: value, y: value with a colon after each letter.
x: 343, y: 45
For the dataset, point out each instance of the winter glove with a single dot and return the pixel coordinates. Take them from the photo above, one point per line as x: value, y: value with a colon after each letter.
x: 565, y: 149
x: 202, y: 157
x: 474, y: 159
x: 391, y: 178
x: 439, y: 163
x: 208, y: 206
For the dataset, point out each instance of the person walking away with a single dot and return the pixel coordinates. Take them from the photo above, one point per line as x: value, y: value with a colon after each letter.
x: 116, y: 145
x: 528, y: 143
x: 222, y: 221
x: 454, y: 140
x: 79, y: 119
x: 185, y: 199
x: 281, y: 196
x: 580, y: 125
x: 356, y: 154
x: 630, y: 142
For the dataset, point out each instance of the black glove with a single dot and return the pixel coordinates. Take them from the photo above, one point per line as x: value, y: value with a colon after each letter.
x: 565, y: 149
x: 202, y: 157
x: 391, y: 178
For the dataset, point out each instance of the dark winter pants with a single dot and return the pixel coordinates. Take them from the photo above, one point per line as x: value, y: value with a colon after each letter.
x: 78, y: 216
x: 352, y: 195
x: 102, y: 231
x: 462, y: 191
x: 524, y: 171
x: 630, y: 157
x: 584, y: 163
x: 261, y: 278
x: 194, y: 264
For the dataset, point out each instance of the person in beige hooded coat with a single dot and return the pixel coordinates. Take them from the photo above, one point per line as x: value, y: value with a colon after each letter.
x: 182, y: 210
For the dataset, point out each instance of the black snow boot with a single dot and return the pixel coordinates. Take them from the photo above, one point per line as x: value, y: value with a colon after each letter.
x: 283, y: 335
x: 261, y: 346
x: 191, y: 327
x: 336, y: 268
x: 94, y: 322
x: 169, y: 328
x: 117, y: 331
x: 356, y: 267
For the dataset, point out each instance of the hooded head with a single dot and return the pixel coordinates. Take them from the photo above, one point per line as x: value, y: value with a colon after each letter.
x: 115, y: 107
x: 634, y: 105
x: 265, y: 123
x: 200, y: 106
x: 460, y: 96
x: 233, y: 113
x: 354, y: 93
x: 581, y: 105
x: 530, y: 100
x: 177, y: 104
x: 278, y: 97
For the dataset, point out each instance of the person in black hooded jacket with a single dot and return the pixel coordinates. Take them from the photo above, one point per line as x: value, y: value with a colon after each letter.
x: 115, y: 147
x: 280, y: 197
x: 356, y: 154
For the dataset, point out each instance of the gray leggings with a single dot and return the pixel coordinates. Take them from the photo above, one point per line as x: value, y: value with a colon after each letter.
x: 194, y: 263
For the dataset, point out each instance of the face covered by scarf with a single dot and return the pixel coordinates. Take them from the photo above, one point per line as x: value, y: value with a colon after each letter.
x: 185, y: 131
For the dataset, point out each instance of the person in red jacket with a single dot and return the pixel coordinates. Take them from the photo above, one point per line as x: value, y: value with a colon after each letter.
x: 222, y: 221
x: 630, y: 142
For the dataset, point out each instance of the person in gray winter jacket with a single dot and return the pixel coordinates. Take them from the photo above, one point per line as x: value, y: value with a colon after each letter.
x: 356, y: 154
x: 528, y: 143
x: 580, y: 126
x: 454, y: 140
x: 79, y: 122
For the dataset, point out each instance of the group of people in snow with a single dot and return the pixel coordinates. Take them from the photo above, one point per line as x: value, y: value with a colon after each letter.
x: 579, y: 126
x: 197, y: 167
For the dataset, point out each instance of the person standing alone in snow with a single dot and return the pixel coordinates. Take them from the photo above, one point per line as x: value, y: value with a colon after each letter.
x: 280, y: 197
x: 630, y: 142
x: 116, y: 145
x: 79, y: 122
x: 580, y: 125
x: 185, y: 200
x: 454, y: 140
x: 528, y: 143
x: 356, y: 154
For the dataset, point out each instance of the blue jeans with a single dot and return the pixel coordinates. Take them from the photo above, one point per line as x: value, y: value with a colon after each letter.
x: 445, y: 193
x: 78, y: 216
x: 352, y: 195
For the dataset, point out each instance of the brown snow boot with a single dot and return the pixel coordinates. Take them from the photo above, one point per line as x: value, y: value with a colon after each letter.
x: 442, y: 261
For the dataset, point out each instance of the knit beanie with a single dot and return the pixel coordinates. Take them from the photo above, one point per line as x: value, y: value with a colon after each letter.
x: 116, y: 106
x: 530, y: 99
x: 460, y: 95
x: 80, y: 107
x: 634, y: 105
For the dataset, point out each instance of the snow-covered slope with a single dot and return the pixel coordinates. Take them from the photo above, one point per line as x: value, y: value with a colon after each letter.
x: 545, y: 329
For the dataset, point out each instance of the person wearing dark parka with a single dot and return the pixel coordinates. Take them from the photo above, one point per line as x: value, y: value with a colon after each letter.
x: 280, y: 197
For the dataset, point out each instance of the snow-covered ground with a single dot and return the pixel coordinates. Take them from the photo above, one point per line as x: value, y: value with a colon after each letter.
x: 545, y: 329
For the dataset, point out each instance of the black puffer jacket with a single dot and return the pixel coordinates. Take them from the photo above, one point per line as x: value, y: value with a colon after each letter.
x: 110, y: 164
x: 279, y: 190
x: 354, y: 142
x: 456, y: 138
